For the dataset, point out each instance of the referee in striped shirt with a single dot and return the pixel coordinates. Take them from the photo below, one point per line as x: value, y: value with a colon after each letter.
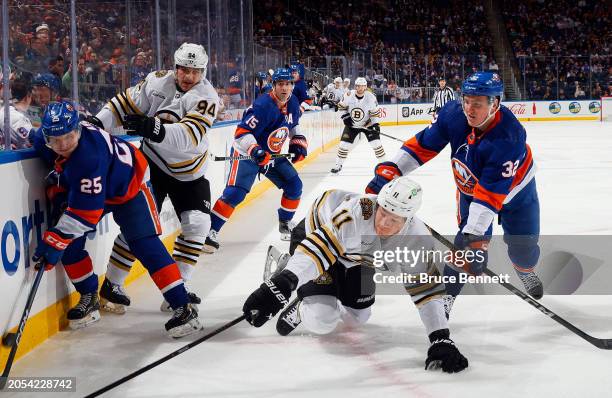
x: 443, y: 95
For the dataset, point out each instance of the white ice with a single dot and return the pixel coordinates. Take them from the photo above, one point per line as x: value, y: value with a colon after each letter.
x: 513, y: 350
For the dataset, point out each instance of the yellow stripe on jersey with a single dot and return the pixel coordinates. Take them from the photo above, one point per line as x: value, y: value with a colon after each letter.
x: 315, y: 220
x: 200, y: 118
x: 344, y: 220
x: 192, y: 133
x: 115, y: 111
x: 117, y: 100
x: 191, y: 166
x: 126, y: 103
x: 312, y: 256
x: 316, y: 239
x: 197, y: 126
x: 335, y: 218
x: 331, y: 238
x: 133, y: 105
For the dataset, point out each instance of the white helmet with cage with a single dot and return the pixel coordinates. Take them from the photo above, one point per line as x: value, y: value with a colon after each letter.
x: 191, y: 55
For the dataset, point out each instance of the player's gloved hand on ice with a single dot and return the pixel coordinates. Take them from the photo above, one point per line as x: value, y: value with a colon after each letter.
x: 298, y: 146
x: 383, y: 173
x: 475, y: 255
x: 444, y: 354
x: 260, y: 156
x: 144, y: 126
x: 269, y: 298
x: 50, y: 250
x: 94, y: 120
x: 348, y: 121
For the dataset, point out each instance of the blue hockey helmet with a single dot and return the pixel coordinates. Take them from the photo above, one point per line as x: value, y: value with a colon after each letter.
x: 483, y: 83
x: 60, y: 118
x: 282, y: 74
x: 47, y: 80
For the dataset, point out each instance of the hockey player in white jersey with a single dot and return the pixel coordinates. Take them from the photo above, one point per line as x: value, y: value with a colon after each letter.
x: 333, y: 94
x: 173, y: 111
x: 360, y: 115
x: 346, y: 84
x: 331, y: 268
x: 20, y: 124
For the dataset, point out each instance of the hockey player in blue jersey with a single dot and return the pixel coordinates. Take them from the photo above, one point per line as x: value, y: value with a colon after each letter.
x: 494, y: 172
x: 300, y: 90
x: 104, y: 174
x: 264, y: 128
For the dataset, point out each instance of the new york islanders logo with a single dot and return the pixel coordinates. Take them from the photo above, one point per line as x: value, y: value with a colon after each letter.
x: 464, y: 178
x: 277, y: 138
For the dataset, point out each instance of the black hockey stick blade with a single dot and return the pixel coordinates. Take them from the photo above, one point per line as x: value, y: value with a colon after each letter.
x: 605, y: 344
x: 166, y: 358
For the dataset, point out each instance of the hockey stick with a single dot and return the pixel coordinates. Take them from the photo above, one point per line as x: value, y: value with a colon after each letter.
x: 605, y: 344
x: 12, y: 339
x: 246, y: 157
x: 166, y: 358
x: 392, y: 137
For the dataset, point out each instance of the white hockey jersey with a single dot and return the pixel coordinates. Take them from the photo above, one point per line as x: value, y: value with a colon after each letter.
x: 187, y: 116
x: 20, y: 129
x: 364, y: 111
x: 340, y: 227
x: 331, y: 93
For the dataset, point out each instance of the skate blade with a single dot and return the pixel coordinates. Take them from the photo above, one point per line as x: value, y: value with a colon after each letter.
x: 206, y: 249
x: 113, y: 308
x: 92, y: 317
x: 190, y: 327
x: 165, y: 307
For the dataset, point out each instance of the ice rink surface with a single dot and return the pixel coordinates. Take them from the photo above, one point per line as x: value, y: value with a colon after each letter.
x: 513, y: 350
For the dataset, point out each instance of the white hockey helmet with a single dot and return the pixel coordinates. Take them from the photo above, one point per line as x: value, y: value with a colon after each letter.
x: 338, y: 80
x: 361, y: 81
x: 347, y: 81
x: 401, y: 196
x: 191, y: 55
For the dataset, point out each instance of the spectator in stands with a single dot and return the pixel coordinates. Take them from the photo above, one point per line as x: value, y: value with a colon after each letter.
x: 139, y: 69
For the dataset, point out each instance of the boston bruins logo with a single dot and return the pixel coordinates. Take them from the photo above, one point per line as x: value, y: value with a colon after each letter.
x: 324, y: 279
x: 357, y: 114
x: 367, y: 208
x: 161, y: 73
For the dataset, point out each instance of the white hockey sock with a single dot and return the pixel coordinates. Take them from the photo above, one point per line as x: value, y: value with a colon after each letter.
x: 379, y: 151
x: 343, y: 150
x: 120, y: 262
x: 187, y: 250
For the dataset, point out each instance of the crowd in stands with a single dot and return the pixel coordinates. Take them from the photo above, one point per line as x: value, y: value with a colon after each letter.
x: 412, y: 43
x: 563, y: 47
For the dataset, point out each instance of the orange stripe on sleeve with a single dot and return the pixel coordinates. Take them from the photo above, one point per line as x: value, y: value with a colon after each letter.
x: 240, y: 131
x: 424, y: 155
x: 522, y: 171
x: 496, y: 200
x: 91, y: 216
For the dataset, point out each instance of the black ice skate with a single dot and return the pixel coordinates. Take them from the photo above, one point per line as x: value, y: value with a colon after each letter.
x: 113, y: 298
x: 194, y: 300
x: 289, y: 319
x: 85, y: 312
x: 285, y: 230
x: 184, y: 322
x: 211, y: 244
x: 336, y: 169
x: 532, y: 284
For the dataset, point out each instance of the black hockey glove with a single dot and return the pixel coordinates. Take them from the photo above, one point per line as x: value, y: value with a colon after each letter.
x: 375, y: 128
x: 144, y: 126
x: 444, y: 354
x: 95, y: 121
x: 348, y: 121
x: 269, y: 298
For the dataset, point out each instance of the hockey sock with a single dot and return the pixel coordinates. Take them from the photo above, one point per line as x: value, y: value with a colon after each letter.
x: 379, y: 151
x: 163, y: 270
x: 187, y: 250
x: 120, y: 262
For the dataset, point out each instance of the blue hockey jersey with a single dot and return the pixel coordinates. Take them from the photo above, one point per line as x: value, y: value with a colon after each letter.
x: 102, y: 170
x: 267, y: 124
x: 489, y: 167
